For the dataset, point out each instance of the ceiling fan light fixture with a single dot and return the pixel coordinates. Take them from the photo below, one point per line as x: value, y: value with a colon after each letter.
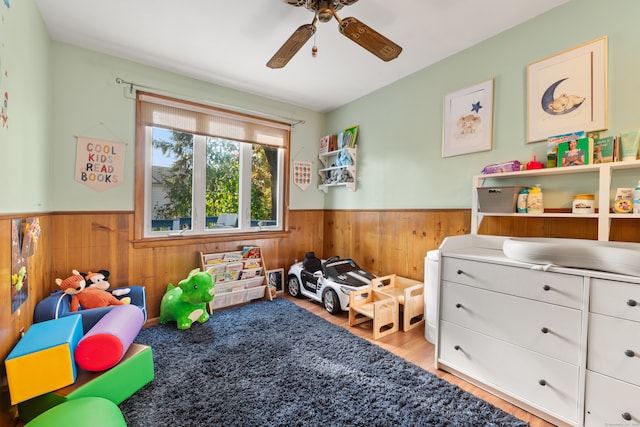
x: 325, y: 11
x: 352, y: 28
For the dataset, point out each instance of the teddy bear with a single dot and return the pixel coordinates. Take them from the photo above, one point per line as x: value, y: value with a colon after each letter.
x: 100, y: 279
x: 76, y: 286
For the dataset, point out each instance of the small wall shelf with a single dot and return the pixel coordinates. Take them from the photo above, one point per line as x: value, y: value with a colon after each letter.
x: 603, y: 171
x: 328, y: 172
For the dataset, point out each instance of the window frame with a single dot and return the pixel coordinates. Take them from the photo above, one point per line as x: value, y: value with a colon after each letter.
x: 142, y: 208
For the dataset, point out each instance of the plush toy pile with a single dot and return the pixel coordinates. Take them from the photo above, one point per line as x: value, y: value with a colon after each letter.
x: 87, y: 297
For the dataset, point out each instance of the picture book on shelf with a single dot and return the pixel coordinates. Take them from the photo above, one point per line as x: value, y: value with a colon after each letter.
x: 226, y: 276
x: 603, y: 149
x: 333, y: 143
x: 340, y: 140
x: 552, y: 146
x: 210, y: 259
x: 575, y: 152
x: 324, y: 144
x: 232, y: 256
x: 251, y: 252
x: 252, y: 263
x: 350, y: 137
x: 215, y: 269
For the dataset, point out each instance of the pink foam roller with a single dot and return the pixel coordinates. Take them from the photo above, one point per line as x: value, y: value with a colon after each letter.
x: 105, y: 344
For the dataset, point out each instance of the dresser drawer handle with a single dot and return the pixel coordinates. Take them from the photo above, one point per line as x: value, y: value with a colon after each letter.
x: 544, y: 330
x: 546, y: 287
x: 629, y: 353
x: 459, y: 271
x: 542, y: 382
x: 626, y: 416
x: 457, y: 348
x: 632, y: 303
x: 458, y: 305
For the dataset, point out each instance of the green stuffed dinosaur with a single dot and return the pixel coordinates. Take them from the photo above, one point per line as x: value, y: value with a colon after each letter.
x: 187, y: 302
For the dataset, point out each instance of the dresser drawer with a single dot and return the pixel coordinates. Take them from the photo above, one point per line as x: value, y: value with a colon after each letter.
x: 549, y: 329
x: 614, y: 348
x: 512, y: 370
x: 619, y: 299
x: 555, y: 288
x: 610, y: 402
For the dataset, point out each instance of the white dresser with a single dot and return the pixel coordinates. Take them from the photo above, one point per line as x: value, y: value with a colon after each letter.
x: 524, y: 333
x: 613, y: 360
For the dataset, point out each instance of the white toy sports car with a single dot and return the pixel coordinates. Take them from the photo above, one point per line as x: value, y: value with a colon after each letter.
x: 328, y: 281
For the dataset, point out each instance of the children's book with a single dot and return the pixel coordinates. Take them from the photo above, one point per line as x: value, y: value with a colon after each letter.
x: 249, y: 273
x: 575, y: 152
x: 250, y: 252
x: 603, y: 149
x: 226, y: 277
x: 236, y: 266
x: 252, y: 263
x: 333, y: 143
x: 232, y: 256
x: 340, y: 140
x: 350, y: 137
x: 552, y: 146
x: 324, y: 144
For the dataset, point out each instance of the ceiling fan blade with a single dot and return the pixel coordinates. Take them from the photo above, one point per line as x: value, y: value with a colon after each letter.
x: 292, y: 46
x: 369, y: 39
x: 344, y: 2
x: 295, y: 2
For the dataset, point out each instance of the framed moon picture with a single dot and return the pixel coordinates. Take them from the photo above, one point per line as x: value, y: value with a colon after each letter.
x: 567, y: 92
x: 468, y: 120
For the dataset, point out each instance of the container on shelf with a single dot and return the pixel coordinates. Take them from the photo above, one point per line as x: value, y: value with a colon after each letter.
x: 535, y: 203
x: 521, y: 205
x: 498, y: 199
x: 584, y: 204
x: 636, y: 199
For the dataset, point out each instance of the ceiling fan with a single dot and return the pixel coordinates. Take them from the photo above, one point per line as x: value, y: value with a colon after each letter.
x: 352, y: 28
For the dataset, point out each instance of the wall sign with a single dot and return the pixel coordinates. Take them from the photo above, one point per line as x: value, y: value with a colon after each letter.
x: 302, y: 174
x: 99, y: 163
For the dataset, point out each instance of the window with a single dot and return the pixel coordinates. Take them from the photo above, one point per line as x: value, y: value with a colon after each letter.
x: 207, y: 170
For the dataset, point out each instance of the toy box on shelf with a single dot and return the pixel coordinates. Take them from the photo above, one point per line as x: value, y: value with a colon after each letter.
x: 239, y: 276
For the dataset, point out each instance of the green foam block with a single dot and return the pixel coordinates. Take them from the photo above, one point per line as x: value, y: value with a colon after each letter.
x: 101, y: 412
x: 117, y: 384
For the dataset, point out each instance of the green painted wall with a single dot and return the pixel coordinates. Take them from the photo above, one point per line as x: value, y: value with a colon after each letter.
x: 400, y: 138
x: 89, y: 102
x: 57, y: 92
x: 25, y: 76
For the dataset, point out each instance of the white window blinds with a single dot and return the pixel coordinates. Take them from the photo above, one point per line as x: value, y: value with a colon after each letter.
x: 160, y: 111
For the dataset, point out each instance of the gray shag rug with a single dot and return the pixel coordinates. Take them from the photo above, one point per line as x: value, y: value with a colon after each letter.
x: 272, y: 363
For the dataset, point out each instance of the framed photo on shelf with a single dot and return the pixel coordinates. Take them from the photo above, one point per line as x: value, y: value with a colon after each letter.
x: 275, y: 279
x: 468, y: 120
x: 568, y: 91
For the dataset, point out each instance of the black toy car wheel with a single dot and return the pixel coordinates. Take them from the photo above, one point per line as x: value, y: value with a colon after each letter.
x: 331, y: 301
x: 293, y: 286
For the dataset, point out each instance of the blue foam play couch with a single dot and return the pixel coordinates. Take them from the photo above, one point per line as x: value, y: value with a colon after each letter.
x: 58, y: 305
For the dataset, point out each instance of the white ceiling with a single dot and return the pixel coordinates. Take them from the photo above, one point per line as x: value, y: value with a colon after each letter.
x: 229, y: 42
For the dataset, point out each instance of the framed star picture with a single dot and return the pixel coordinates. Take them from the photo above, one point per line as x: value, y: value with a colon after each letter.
x: 468, y: 120
x: 567, y: 92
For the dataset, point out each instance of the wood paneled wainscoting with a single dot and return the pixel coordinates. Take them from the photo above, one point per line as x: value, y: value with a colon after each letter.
x: 381, y: 241
x: 391, y: 241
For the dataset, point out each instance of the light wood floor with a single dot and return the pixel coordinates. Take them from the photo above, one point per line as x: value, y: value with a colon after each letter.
x: 413, y: 347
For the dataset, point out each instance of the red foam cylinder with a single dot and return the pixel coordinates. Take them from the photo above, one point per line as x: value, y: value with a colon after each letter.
x: 105, y: 344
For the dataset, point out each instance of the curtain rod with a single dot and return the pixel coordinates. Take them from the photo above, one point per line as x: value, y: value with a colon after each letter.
x: 131, y: 85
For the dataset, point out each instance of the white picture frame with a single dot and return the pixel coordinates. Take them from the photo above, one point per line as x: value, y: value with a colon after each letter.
x: 275, y: 278
x: 579, y: 75
x: 468, y: 120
